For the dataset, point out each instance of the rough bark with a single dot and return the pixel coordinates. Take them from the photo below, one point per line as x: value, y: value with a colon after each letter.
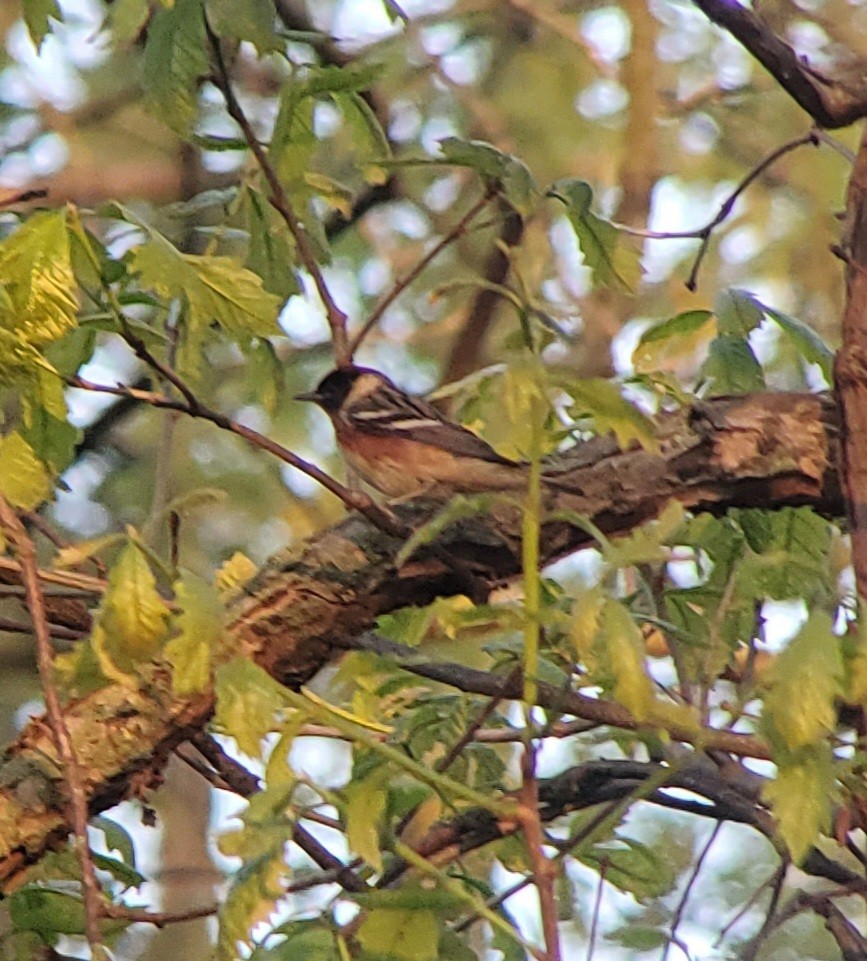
x: 764, y: 450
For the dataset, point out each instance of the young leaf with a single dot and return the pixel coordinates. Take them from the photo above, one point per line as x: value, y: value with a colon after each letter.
x: 24, y: 481
x: 400, y: 935
x: 252, y: 20
x: 365, y: 804
x: 602, y: 400
x: 805, y: 681
x: 612, y: 262
x: 37, y: 277
x: 738, y: 312
x: 133, y: 615
x: 251, y: 900
x: 806, y: 341
x: 801, y: 796
x: 679, y: 337
x: 731, y: 367
x: 622, y: 651
x: 271, y: 253
x: 175, y: 57
x: 248, y: 703
x: 503, y: 171
x: 200, y: 629
x: 633, y: 867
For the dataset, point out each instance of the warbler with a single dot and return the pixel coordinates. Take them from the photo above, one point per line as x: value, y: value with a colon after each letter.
x: 402, y: 445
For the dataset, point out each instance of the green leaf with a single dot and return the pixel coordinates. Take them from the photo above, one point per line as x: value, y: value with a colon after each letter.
x: 632, y: 866
x: 214, y: 289
x: 37, y: 14
x: 48, y: 913
x: 801, y: 797
x: 648, y: 543
x: 37, y: 277
x: 509, y: 175
x: 805, y: 681
x: 806, y: 341
x: 53, y: 440
x: 252, y: 20
x: 738, y: 312
x: 673, y: 340
x: 175, y: 58
x: 24, y: 481
x: 610, y: 411
x: 639, y: 938
x: 117, y: 838
x: 612, y: 261
x: 126, y: 19
x: 249, y: 703
x: 132, y: 615
x: 365, y: 805
x: 309, y: 940
x: 731, y: 367
x: 251, y: 900
x: 271, y: 253
x: 400, y: 935
x: 200, y: 629
x: 621, y: 647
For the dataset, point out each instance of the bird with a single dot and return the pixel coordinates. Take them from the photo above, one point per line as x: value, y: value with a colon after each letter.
x: 402, y: 445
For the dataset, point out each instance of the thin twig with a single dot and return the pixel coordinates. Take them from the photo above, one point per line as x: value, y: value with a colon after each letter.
x: 355, y: 500
x: 681, y: 906
x: 281, y: 203
x: 597, y: 909
x: 459, y: 229
x: 48, y: 532
x: 73, y: 776
x: 56, y: 630
x: 159, y: 919
x: 704, y: 233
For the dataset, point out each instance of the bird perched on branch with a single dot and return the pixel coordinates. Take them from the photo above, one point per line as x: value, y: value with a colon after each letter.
x: 402, y: 445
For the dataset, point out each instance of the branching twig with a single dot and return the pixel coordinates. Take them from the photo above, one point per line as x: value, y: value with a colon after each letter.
x: 355, y: 500
x: 73, y: 776
x: 459, y: 229
x: 281, y: 203
x: 704, y: 233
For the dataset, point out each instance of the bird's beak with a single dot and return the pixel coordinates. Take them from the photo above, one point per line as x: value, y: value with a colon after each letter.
x: 311, y: 395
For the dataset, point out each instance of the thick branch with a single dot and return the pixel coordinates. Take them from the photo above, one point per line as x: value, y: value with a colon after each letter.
x: 831, y: 102
x: 764, y: 450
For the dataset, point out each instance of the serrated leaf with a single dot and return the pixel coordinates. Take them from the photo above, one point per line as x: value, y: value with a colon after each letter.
x: 271, y: 253
x: 612, y: 261
x: 400, y: 935
x: 669, y: 342
x: 508, y: 174
x: 365, y: 805
x: 806, y: 341
x: 24, y: 480
x: 251, y: 900
x: 37, y: 277
x: 132, y: 614
x: 37, y: 17
x: 731, y: 367
x: 804, y: 683
x: 200, y: 627
x: 48, y: 913
x: 738, y: 312
x: 610, y: 411
x: 622, y: 651
x: 175, y: 58
x: 632, y: 866
x: 249, y: 703
x: 801, y: 796
x: 252, y: 20
x: 648, y: 543
x: 214, y: 289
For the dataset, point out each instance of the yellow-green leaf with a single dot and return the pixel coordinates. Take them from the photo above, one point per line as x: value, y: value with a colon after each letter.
x: 24, y: 480
x: 200, y: 629
x: 133, y: 614
x: 805, y: 681
x: 602, y: 401
x: 624, y: 655
x: 249, y: 703
x: 365, y: 804
x: 400, y: 935
x: 801, y: 796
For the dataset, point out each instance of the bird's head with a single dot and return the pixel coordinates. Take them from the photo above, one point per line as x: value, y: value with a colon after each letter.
x: 344, y: 385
